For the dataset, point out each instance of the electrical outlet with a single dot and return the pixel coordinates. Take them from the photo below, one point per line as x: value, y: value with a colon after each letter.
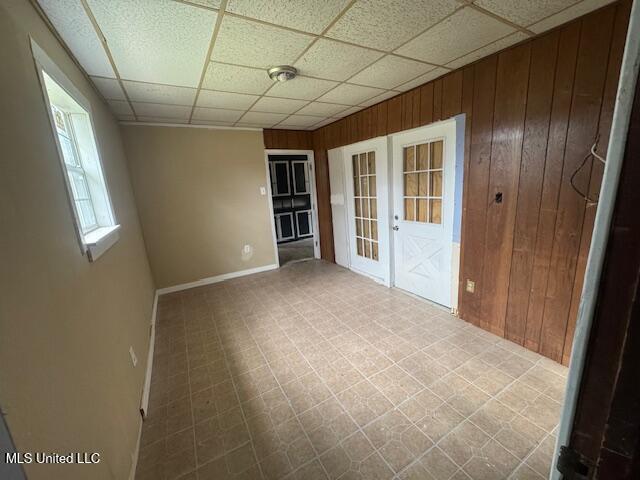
x: 263, y: 191
x: 246, y: 249
x: 471, y: 286
x: 134, y: 359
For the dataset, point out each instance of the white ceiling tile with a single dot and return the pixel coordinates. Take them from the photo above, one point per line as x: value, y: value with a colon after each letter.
x: 109, y: 88
x: 157, y: 41
x: 120, y: 107
x: 427, y: 77
x: 350, y: 94
x: 216, y: 114
x: 458, y: 35
x: 75, y: 28
x: 259, y: 118
x: 161, y: 111
x: 386, y: 24
x: 234, y: 101
x: 488, y: 49
x: 301, y: 121
x: 301, y: 87
x: 308, y: 15
x: 347, y: 112
x: 378, y: 98
x: 162, y: 120
x: 205, y: 3
x: 255, y: 44
x: 155, y: 93
x: 570, y: 13
x: 236, y: 79
x: 335, y: 60
x: 322, y: 109
x: 524, y: 12
x: 252, y: 125
x: 278, y: 105
x: 390, y: 71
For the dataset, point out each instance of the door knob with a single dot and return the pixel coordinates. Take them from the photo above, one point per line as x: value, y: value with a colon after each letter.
x: 396, y: 228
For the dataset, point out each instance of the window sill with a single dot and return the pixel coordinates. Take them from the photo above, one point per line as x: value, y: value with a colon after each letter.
x: 101, y: 240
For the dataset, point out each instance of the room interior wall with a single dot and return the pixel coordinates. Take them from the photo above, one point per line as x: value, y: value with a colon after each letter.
x: 67, y: 382
x: 198, y: 194
x: 533, y: 111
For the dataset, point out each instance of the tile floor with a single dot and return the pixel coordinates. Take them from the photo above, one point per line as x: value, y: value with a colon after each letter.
x: 313, y: 372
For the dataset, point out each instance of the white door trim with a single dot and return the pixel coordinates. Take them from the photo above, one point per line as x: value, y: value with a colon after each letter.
x: 314, y: 198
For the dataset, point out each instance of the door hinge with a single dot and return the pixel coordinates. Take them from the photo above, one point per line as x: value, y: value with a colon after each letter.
x: 572, y: 464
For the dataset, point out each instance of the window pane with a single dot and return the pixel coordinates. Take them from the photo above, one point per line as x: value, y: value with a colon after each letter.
x: 68, y: 152
x: 372, y: 186
x: 365, y: 208
x: 409, y: 209
x: 354, y: 161
x: 300, y: 176
x: 410, y: 184
x: 356, y: 186
x: 409, y: 159
x: 371, y: 163
x: 86, y: 216
x: 358, y: 227
x: 374, y: 250
x: 359, y: 246
x: 435, y: 211
x: 374, y: 208
x: 435, y: 187
x: 374, y: 230
x: 436, y: 154
x: 423, y: 156
x: 79, y: 188
x: 363, y: 164
x: 364, y: 187
x: 358, y: 209
x: 367, y: 248
x: 365, y: 229
x: 421, y: 215
x: 422, y: 184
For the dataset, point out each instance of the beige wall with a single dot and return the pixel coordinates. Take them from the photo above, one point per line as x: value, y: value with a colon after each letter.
x: 66, y: 380
x: 198, y: 194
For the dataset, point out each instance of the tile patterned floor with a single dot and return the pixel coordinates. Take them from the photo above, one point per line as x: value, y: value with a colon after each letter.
x: 313, y: 372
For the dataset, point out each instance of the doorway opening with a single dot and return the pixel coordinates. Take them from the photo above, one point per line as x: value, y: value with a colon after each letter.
x: 293, y: 203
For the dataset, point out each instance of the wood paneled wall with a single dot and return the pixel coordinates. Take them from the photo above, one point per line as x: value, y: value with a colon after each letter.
x: 533, y: 111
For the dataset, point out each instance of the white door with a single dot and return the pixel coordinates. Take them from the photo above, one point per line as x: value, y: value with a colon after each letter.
x: 423, y: 206
x: 367, y: 202
x: 338, y: 207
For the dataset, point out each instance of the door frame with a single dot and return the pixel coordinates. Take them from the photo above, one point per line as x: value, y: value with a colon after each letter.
x: 381, y: 145
x: 457, y: 196
x: 314, y: 198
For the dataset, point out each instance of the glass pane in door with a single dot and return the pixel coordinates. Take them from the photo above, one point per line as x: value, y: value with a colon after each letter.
x: 423, y: 182
x: 365, y: 198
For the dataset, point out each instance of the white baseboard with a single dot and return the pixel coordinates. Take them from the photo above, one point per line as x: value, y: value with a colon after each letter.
x: 216, y: 279
x: 135, y: 454
x: 144, y: 403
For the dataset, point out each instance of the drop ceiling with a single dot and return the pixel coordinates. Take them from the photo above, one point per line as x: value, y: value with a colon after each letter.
x: 205, y: 62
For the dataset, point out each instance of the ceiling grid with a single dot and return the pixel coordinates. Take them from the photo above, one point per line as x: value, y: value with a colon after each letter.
x: 205, y: 61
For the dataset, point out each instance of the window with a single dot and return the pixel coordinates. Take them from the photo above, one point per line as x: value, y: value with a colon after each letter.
x: 366, y: 209
x: 71, y: 124
x: 423, y: 182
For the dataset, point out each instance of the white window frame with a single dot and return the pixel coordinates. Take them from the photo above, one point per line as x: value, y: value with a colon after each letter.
x: 96, y: 240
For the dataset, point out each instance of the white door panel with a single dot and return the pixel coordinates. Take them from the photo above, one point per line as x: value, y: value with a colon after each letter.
x: 338, y: 211
x: 367, y: 206
x: 423, y: 206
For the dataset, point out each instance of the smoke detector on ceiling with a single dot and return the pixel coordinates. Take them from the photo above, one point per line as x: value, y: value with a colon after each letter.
x: 282, y: 73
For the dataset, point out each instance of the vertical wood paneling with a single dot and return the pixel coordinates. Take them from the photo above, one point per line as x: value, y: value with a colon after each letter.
x: 534, y: 148
x: 588, y: 88
x: 452, y: 94
x: 426, y: 104
x: 527, y: 128
x: 477, y: 186
x: 508, y: 125
x: 606, y: 116
x: 563, y: 88
x: 437, y: 100
x: 394, y: 114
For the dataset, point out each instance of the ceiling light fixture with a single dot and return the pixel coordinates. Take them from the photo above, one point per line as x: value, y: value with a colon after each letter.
x: 282, y: 73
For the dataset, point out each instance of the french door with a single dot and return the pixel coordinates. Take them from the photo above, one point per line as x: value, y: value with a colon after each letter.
x: 366, y: 189
x: 423, y: 209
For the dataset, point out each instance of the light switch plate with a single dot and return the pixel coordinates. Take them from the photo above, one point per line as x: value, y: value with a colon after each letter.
x: 471, y: 286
